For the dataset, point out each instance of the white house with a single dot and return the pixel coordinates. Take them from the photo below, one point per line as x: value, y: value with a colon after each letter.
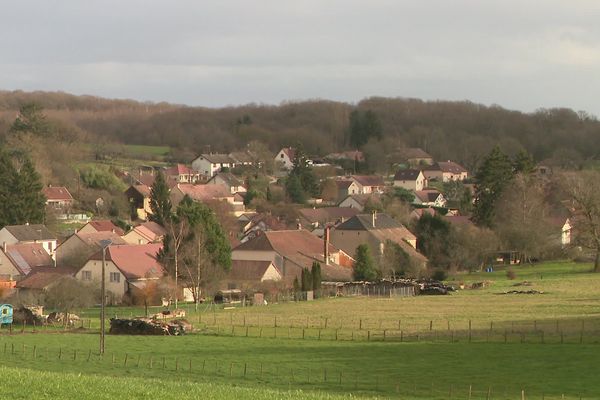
x: 286, y: 157
x: 430, y: 197
x: 210, y: 164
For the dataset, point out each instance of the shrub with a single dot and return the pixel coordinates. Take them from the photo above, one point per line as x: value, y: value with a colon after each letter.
x: 439, y: 275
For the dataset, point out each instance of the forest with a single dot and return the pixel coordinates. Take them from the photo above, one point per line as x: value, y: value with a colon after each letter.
x: 460, y: 131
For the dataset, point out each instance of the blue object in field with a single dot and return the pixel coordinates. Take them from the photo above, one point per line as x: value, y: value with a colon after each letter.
x: 489, y: 269
x: 6, y: 314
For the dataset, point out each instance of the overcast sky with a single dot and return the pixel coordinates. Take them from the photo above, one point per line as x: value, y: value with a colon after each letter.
x: 521, y: 54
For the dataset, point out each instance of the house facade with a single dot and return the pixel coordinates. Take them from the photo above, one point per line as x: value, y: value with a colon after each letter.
x: 410, y: 179
x: 285, y: 157
x: 125, y: 266
x: 429, y: 197
x: 138, y: 197
x: 77, y: 248
x: 181, y: 173
x: 58, y: 198
x: 446, y: 171
x: 209, y: 164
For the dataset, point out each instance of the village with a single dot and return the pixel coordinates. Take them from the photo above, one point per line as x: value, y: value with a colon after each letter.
x: 270, y: 248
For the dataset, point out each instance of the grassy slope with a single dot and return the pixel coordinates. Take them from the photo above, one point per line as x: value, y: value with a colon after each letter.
x: 553, y: 369
x: 50, y: 385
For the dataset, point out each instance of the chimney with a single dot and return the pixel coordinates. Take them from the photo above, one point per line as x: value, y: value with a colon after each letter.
x: 374, y: 218
x: 4, y: 246
x: 326, y: 245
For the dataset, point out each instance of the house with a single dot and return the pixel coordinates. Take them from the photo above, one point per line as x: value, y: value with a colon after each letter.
x: 260, y: 223
x: 250, y: 273
x: 562, y: 228
x: 347, y: 187
x: 375, y: 230
x: 208, y: 193
x: 285, y: 157
x: 147, y: 232
x: 429, y: 197
x: 34, y: 233
x: 410, y: 179
x: 369, y: 183
x: 209, y: 164
x: 182, y: 174
x: 446, y: 171
x: 229, y: 180
x: 126, y: 266
x: 77, y: 248
x: 293, y: 250
x: 19, y: 260
x: 58, y: 197
x: 43, y: 279
x: 360, y: 201
x: 138, y: 197
x: 101, y: 225
x: 318, y: 218
x: 415, y: 156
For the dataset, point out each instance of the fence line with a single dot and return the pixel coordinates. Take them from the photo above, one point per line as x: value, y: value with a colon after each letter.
x: 279, y: 374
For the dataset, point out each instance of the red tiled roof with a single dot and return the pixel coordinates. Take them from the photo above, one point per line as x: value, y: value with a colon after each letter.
x: 57, y: 193
x: 290, y: 152
x: 93, y: 239
x: 135, y: 261
x: 179, y: 169
x: 451, y: 166
x: 205, y: 192
x: 106, y: 225
x: 27, y: 256
x: 287, y: 243
x: 41, y: 278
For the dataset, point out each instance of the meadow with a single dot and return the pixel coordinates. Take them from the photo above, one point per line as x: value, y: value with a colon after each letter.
x: 427, y: 364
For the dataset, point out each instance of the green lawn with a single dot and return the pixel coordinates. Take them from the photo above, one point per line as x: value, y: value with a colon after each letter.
x: 544, y: 344
x: 139, y: 149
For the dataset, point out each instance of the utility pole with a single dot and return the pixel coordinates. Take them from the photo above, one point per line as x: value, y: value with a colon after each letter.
x: 104, y: 244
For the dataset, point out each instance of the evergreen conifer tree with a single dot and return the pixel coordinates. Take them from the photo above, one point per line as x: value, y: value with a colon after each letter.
x: 364, y: 266
x: 160, y: 202
x: 491, y: 179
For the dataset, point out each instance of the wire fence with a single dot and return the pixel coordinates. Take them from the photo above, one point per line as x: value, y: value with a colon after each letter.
x: 276, y: 375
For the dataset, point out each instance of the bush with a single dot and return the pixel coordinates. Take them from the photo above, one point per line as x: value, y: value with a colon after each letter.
x: 439, y: 275
x: 510, y: 274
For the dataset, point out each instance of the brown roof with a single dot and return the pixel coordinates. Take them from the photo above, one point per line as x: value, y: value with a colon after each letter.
x: 400, y: 236
x: 146, y: 179
x: 105, y: 225
x: 135, y: 261
x: 218, y: 158
x: 30, y: 233
x: 451, y: 166
x: 205, y: 192
x: 369, y: 180
x: 93, y: 239
x: 270, y: 221
x: 57, y: 193
x: 327, y: 214
x: 343, y: 183
x: 407, y: 175
x: 144, y: 190
x: 286, y: 243
x: 250, y: 270
x: 27, y: 256
x: 42, y: 278
x: 362, y: 199
x: 427, y: 195
x: 290, y: 152
x: 459, y: 219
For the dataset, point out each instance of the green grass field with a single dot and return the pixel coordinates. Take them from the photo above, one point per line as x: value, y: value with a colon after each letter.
x: 499, y: 362
x: 139, y: 149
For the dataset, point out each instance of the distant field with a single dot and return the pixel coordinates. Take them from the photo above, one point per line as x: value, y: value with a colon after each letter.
x: 139, y: 149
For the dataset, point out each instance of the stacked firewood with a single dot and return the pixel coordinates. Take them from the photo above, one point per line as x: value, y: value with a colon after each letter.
x: 146, y: 326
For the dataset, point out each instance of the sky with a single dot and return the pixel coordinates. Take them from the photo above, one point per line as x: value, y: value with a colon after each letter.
x: 522, y: 55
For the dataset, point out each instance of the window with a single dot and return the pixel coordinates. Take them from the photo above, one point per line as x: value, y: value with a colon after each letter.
x: 86, y: 275
x: 115, y: 277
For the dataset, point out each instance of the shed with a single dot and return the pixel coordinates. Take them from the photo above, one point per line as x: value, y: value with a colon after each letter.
x: 6, y: 314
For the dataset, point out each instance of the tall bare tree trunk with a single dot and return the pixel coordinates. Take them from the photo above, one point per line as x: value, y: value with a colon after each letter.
x: 597, y: 261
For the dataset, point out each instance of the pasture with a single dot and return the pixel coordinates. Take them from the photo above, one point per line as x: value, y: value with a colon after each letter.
x: 536, y: 346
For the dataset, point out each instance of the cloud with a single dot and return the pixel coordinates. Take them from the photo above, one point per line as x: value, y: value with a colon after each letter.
x: 514, y: 53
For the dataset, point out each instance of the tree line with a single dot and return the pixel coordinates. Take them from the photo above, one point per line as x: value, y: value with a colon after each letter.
x: 461, y: 131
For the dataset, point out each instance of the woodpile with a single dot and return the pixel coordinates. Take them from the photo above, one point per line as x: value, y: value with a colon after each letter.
x: 147, y: 326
